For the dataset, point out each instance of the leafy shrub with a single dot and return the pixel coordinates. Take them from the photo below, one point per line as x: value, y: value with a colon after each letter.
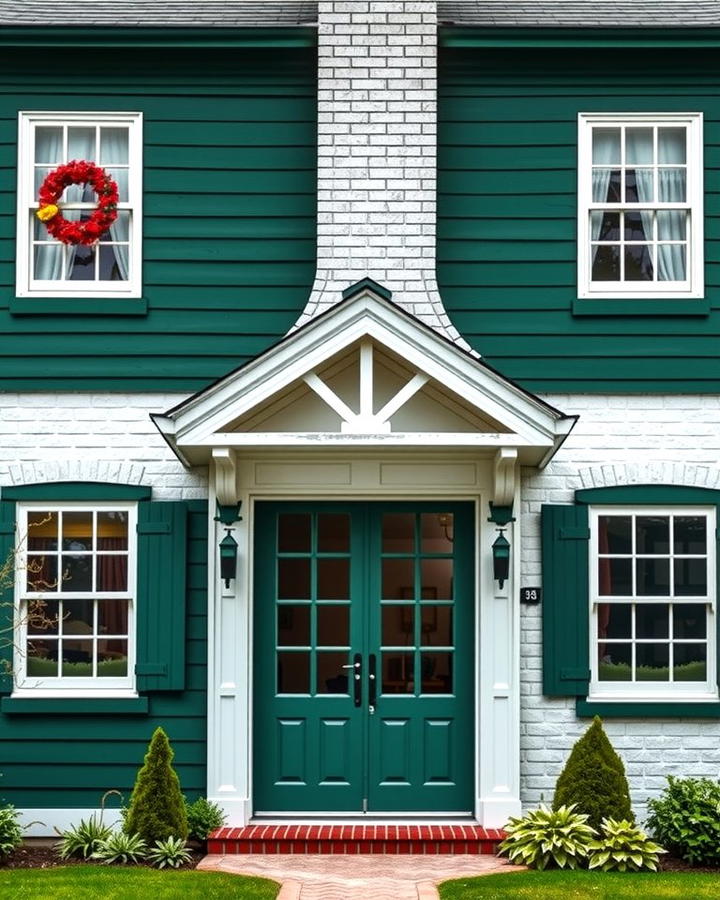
x: 171, y: 852
x: 203, y: 817
x: 84, y: 839
x: 121, y: 848
x: 11, y: 833
x: 157, y: 808
x: 594, y: 779
x: 543, y: 836
x: 686, y: 819
x: 623, y: 846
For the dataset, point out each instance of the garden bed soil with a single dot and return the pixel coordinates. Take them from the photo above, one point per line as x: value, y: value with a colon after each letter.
x: 42, y: 855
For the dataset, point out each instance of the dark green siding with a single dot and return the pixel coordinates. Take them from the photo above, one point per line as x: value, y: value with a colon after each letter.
x: 229, y: 213
x: 85, y: 755
x: 507, y: 215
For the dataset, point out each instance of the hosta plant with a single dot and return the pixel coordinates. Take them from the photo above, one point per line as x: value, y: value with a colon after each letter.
x: 121, y: 848
x: 11, y: 833
x: 624, y: 847
x: 84, y: 839
x: 545, y: 837
x: 171, y: 852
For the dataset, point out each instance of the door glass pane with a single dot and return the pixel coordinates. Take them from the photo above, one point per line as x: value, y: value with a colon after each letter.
x: 333, y: 576
x: 398, y: 579
x: 398, y: 533
x: 436, y: 673
x: 293, y: 673
x: 397, y: 673
x: 437, y: 579
x: 294, y: 579
x: 331, y: 677
x: 333, y: 626
x: 436, y: 532
x: 398, y: 625
x: 293, y: 625
x: 294, y: 533
x: 333, y: 533
x: 437, y: 625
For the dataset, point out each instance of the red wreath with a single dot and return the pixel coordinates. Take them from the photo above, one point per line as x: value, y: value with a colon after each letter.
x: 92, y: 229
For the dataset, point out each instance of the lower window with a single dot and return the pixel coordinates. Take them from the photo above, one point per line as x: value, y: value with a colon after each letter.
x: 75, y: 587
x: 652, y: 595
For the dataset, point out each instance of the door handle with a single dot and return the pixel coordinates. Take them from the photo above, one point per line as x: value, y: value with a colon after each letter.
x: 372, y: 683
x: 357, y: 678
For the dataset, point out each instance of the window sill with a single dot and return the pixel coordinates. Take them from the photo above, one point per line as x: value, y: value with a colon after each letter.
x: 660, y: 709
x: 74, y: 705
x: 586, y: 306
x: 78, y: 306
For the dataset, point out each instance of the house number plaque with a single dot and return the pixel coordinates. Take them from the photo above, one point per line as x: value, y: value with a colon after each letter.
x: 530, y: 595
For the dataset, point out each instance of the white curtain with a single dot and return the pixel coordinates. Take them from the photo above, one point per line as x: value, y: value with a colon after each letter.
x: 672, y: 226
x: 603, y: 153
x: 81, y: 145
x: 48, y: 257
x: 115, y: 149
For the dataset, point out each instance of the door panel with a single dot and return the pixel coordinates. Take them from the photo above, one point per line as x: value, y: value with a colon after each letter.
x: 364, y: 657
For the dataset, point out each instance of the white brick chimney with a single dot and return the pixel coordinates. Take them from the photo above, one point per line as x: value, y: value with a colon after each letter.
x: 377, y: 154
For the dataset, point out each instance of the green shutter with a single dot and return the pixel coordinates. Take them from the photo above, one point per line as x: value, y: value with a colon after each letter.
x: 161, y: 590
x: 565, y: 546
x: 7, y: 597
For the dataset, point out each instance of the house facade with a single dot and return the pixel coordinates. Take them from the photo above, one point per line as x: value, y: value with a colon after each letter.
x: 370, y: 446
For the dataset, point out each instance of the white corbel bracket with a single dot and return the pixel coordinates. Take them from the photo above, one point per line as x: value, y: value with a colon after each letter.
x: 505, y: 475
x: 225, y: 476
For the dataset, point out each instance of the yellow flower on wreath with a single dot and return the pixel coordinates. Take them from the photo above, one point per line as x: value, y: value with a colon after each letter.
x: 45, y: 213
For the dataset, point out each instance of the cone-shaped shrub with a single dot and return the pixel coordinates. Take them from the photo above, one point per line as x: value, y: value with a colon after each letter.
x: 157, y: 809
x: 594, y: 779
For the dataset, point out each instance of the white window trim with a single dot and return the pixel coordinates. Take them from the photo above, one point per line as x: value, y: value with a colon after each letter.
x: 698, y: 692
x: 26, y: 686
x: 694, y: 288
x: 25, y: 286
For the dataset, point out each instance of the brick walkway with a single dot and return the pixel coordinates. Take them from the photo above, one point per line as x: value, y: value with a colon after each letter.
x: 361, y: 877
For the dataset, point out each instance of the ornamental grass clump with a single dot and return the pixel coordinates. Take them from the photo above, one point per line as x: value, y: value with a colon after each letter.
x: 623, y: 847
x: 594, y: 781
x: 157, y: 809
x: 685, y: 818
x: 83, y: 839
x: 545, y: 837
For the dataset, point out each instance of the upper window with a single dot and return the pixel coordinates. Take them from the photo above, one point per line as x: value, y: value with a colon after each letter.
x: 75, y: 589
x: 652, y: 598
x: 47, y: 267
x: 640, y: 206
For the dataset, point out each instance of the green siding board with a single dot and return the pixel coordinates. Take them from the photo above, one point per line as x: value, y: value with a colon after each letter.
x: 229, y: 215
x: 506, y: 231
x: 91, y: 754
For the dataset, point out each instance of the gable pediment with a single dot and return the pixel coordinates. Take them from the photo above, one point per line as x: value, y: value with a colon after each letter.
x: 365, y: 373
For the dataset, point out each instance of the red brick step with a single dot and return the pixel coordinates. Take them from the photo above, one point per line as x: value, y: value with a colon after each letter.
x: 346, y: 839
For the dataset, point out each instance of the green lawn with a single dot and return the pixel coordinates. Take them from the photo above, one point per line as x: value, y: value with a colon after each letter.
x: 136, y: 883
x: 583, y: 885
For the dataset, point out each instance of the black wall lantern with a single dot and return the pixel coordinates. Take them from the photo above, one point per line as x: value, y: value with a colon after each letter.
x: 228, y: 545
x: 228, y: 557
x: 501, y: 558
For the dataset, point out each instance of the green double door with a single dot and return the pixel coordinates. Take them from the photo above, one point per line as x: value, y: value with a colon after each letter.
x: 363, y: 658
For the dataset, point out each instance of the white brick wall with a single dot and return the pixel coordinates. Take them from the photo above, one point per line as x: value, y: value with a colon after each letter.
x: 377, y: 154
x: 92, y: 437
x: 618, y: 440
